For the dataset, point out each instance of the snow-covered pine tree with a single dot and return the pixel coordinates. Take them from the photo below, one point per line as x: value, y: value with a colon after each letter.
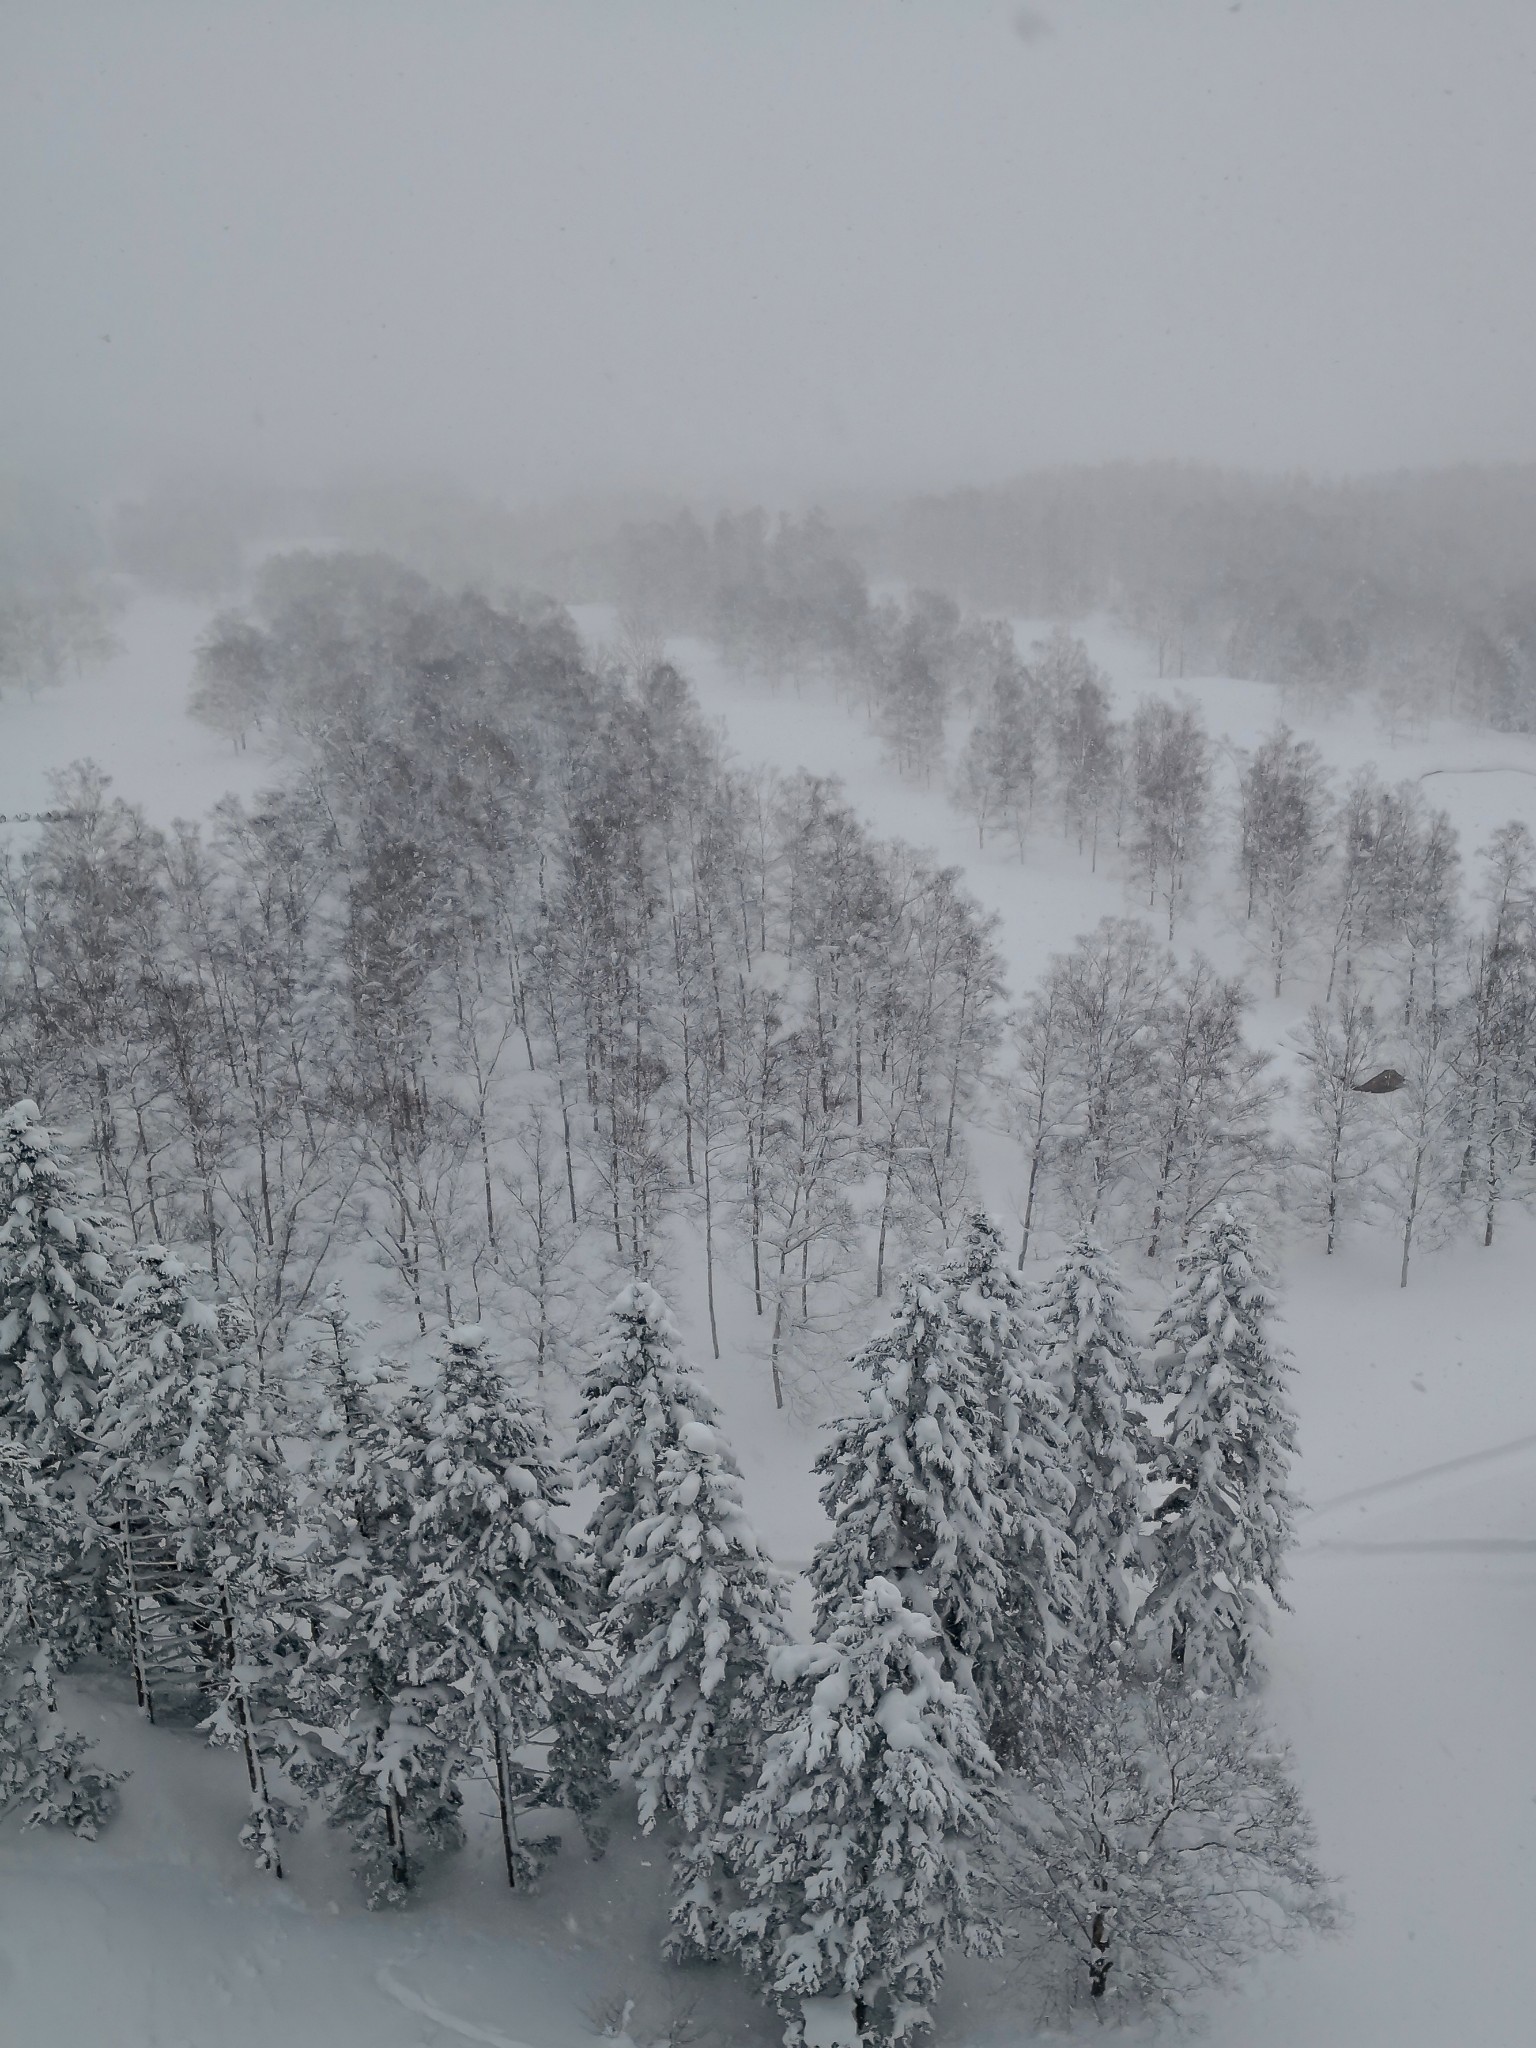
x: 365, y: 1746
x: 698, y: 1608
x: 911, y: 1485
x: 43, y: 1766
x: 451, y: 1616
x: 56, y: 1281
x: 1002, y: 1335
x: 343, y: 1380
x: 503, y: 1602
x: 1225, y: 1450
x: 1089, y: 1358
x: 165, y: 1343
x: 853, y: 1850
x: 242, y: 1539
x: 692, y: 1606
x: 636, y: 1397
x: 194, y: 1492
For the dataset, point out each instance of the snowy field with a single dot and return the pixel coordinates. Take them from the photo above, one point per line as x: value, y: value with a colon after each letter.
x: 1403, y: 1677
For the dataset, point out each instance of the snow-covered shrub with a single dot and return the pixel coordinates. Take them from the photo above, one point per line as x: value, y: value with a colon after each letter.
x: 43, y: 1767
x: 1157, y: 1843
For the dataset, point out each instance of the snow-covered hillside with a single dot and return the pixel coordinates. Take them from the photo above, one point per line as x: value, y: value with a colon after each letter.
x: 1403, y: 1675
x: 1404, y: 1671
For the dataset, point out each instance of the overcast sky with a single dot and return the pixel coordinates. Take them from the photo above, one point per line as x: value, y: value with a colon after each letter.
x: 781, y: 245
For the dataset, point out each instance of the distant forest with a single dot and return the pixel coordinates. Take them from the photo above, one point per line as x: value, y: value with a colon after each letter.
x: 1422, y: 585
x: 1418, y: 588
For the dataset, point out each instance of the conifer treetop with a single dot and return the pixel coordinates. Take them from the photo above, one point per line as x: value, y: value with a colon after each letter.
x: 483, y: 1452
x: 56, y: 1281
x: 989, y: 1298
x: 1092, y: 1362
x: 853, y: 1849
x: 1220, y: 1306
x: 1225, y: 1452
x: 910, y: 1481
x: 1004, y: 1335
x: 696, y: 1610
x: 640, y: 1393
x: 1081, y: 1306
x: 163, y: 1393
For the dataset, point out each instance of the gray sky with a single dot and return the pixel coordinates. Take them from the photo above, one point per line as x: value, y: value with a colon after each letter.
x: 776, y: 246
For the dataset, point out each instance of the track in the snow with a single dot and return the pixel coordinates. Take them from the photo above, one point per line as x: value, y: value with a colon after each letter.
x: 1473, y: 1546
x: 1405, y: 1480
x: 462, y: 2030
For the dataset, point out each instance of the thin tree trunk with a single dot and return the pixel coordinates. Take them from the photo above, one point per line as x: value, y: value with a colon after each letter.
x: 255, y: 1769
x: 1413, y: 1210
x: 139, y: 1651
x: 778, y: 1331
x: 1029, y: 1203
x: 1333, y: 1191
x: 399, y: 1864
x: 508, y: 1817
x: 709, y: 1252
x: 885, y: 1214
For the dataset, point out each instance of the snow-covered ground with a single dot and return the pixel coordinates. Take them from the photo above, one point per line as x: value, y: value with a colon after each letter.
x: 1403, y: 1676
x: 129, y: 716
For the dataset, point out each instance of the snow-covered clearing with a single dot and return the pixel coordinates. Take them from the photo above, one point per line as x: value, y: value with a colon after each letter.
x: 1403, y: 1677
x: 129, y: 716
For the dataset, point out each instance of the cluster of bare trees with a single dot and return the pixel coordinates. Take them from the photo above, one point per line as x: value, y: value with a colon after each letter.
x: 57, y: 608
x: 1416, y: 587
x: 785, y: 598
x: 1375, y: 874
x: 1419, y: 1092
x: 512, y: 974
x: 1048, y: 726
x: 50, y: 632
x: 1133, y: 1092
x: 1136, y: 1100
x: 777, y: 594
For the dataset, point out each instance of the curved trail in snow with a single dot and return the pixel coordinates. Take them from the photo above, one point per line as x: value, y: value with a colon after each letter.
x: 1467, y: 1546
x: 1492, y: 768
x: 1405, y: 1480
x: 463, y: 2030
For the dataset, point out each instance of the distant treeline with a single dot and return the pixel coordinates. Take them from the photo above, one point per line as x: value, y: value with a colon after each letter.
x: 56, y: 609
x: 516, y: 971
x: 1420, y: 586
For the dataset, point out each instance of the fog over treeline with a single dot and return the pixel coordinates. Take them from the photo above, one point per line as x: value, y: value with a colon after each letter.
x: 1417, y: 587
x: 755, y: 760
x: 746, y: 253
x: 1204, y: 316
